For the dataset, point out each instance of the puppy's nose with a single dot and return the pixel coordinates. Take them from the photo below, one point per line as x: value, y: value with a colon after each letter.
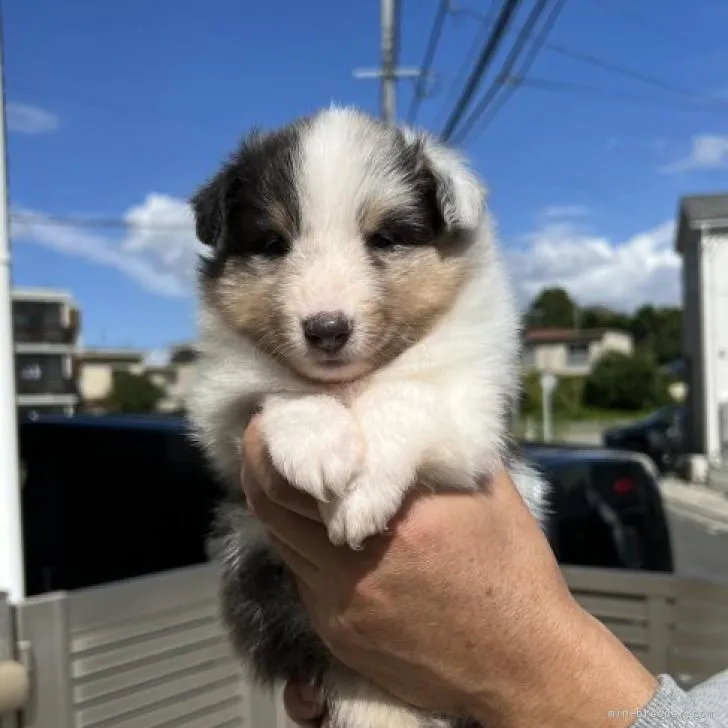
x: 327, y: 331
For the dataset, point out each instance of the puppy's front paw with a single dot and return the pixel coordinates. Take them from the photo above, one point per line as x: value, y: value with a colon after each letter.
x: 364, y: 511
x: 314, y: 443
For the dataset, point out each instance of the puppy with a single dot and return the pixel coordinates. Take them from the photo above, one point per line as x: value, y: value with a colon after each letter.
x: 354, y: 295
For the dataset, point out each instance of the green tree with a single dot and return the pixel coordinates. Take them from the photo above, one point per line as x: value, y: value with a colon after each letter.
x: 602, y: 317
x: 552, y: 308
x: 133, y: 393
x: 659, y: 331
x: 623, y: 382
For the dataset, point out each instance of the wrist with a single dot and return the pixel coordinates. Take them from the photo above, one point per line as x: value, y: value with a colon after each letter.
x: 580, y: 675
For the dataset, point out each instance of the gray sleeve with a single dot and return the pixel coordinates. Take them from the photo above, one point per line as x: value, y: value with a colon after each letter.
x: 705, y: 706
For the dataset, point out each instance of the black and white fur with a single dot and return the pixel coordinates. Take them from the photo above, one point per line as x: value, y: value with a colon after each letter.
x: 339, y: 213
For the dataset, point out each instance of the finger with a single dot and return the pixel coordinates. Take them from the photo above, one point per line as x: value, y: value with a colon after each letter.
x: 303, y: 704
x: 302, y: 568
x: 304, y: 536
x: 261, y: 469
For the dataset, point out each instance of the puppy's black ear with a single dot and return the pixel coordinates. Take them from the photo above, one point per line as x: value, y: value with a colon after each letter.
x: 459, y: 194
x: 208, y: 205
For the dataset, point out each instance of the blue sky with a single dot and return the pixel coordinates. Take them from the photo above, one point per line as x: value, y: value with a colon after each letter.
x: 119, y: 110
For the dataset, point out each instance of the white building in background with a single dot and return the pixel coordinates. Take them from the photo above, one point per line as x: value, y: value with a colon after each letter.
x: 702, y: 240
x: 174, y: 376
x: 96, y: 369
x: 571, y: 352
x: 46, y: 325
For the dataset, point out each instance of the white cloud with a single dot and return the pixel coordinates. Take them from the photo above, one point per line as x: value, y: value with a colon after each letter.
x: 27, y: 119
x: 707, y: 151
x: 158, y: 249
x: 597, y: 270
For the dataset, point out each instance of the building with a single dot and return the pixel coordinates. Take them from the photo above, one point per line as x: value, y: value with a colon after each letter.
x: 96, y: 369
x: 570, y: 352
x: 178, y: 377
x: 46, y: 325
x: 702, y: 241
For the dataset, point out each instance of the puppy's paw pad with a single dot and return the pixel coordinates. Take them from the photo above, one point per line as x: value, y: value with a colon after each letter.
x: 315, y: 444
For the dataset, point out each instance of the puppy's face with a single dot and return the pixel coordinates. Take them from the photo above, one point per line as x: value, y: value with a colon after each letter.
x: 337, y: 242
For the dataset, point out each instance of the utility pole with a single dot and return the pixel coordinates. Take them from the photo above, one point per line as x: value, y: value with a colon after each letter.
x: 388, y: 73
x: 12, y: 578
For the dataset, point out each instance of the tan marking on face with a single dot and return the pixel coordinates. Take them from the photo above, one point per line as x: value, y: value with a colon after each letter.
x: 371, y: 214
x: 245, y: 294
x: 280, y: 219
x: 420, y: 286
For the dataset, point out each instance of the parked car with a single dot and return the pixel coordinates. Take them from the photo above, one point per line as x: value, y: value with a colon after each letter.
x: 608, y: 508
x: 659, y: 436
x: 107, y: 498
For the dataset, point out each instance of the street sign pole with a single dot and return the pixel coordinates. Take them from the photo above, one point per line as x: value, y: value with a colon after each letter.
x: 548, y: 384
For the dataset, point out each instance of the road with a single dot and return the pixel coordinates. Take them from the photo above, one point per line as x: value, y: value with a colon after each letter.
x: 701, y: 550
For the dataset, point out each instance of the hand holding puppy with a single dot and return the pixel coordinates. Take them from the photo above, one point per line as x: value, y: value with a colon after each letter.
x: 462, y: 609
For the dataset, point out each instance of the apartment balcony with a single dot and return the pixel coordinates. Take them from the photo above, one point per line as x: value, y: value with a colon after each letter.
x: 45, y: 335
x: 34, y: 331
x: 64, y: 386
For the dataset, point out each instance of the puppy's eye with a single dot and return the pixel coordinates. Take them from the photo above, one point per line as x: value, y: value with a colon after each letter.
x: 272, y: 244
x: 382, y: 241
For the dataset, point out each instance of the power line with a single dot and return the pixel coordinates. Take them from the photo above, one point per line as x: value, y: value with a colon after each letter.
x: 543, y: 84
x: 523, y: 38
x: 486, y: 21
x: 607, y: 65
x: 505, y: 17
x: 639, y: 20
x: 434, y: 40
x: 611, y: 67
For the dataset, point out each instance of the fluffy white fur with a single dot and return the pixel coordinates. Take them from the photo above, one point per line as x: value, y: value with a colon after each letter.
x: 437, y: 413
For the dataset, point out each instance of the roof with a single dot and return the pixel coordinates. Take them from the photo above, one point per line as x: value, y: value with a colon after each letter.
x: 122, y: 421
x: 41, y: 295
x: 706, y: 209
x: 111, y: 355
x: 699, y: 211
x: 549, y: 456
x: 554, y: 336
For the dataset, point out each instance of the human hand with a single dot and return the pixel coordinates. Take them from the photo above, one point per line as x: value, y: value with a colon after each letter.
x: 304, y: 706
x: 461, y: 609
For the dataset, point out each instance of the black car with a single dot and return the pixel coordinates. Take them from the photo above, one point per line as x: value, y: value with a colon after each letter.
x: 107, y: 498
x: 607, y: 508
x: 659, y: 436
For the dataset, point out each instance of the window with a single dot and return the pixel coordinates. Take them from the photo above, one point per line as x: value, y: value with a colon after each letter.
x: 38, y: 321
x: 577, y: 355
x: 41, y: 374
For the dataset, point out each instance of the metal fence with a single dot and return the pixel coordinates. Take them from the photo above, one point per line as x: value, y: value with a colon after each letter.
x: 672, y: 624
x: 146, y: 653
x: 150, y: 652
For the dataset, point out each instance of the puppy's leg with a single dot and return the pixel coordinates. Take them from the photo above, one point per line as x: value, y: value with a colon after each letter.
x: 406, y: 426
x: 314, y: 442
x: 354, y: 702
